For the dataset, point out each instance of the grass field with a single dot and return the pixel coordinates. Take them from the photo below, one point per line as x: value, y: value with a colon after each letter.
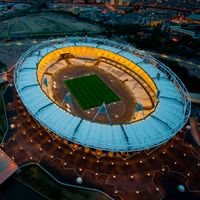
x: 37, y: 178
x: 90, y: 91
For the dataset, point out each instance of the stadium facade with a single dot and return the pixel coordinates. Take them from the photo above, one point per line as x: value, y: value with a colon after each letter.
x: 171, y: 101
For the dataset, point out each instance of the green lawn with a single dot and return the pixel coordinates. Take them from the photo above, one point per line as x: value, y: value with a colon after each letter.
x: 42, y: 182
x: 90, y: 91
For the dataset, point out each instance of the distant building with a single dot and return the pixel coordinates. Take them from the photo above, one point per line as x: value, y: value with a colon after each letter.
x: 6, y: 6
x: 194, y: 18
x: 118, y: 2
x: 178, y: 29
x: 143, y: 34
x: 135, y: 18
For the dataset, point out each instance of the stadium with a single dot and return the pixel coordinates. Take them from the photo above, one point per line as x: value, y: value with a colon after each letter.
x: 101, y: 94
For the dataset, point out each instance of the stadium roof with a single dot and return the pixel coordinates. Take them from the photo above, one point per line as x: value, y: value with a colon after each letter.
x: 167, y: 119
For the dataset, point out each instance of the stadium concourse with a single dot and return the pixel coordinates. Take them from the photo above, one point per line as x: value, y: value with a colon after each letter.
x: 158, y: 92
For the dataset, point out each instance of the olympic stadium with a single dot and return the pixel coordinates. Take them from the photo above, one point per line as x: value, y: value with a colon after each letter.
x: 101, y: 94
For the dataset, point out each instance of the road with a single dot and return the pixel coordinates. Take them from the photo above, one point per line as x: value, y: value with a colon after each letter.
x: 11, y: 51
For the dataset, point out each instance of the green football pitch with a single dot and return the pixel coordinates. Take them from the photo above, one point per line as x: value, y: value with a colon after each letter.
x: 90, y: 91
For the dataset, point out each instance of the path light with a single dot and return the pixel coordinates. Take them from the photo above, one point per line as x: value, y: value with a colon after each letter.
x: 110, y: 154
x: 86, y: 149
x: 79, y: 180
x: 75, y: 146
x: 181, y: 188
x: 98, y: 152
x: 188, y: 127
x: 12, y: 126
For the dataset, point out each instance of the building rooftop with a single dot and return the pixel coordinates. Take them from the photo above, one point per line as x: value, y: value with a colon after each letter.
x: 194, y: 17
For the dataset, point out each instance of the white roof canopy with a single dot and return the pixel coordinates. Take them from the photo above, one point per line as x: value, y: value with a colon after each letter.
x: 167, y: 119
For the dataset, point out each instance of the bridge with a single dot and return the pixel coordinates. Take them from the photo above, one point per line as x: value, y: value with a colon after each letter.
x: 7, y: 166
